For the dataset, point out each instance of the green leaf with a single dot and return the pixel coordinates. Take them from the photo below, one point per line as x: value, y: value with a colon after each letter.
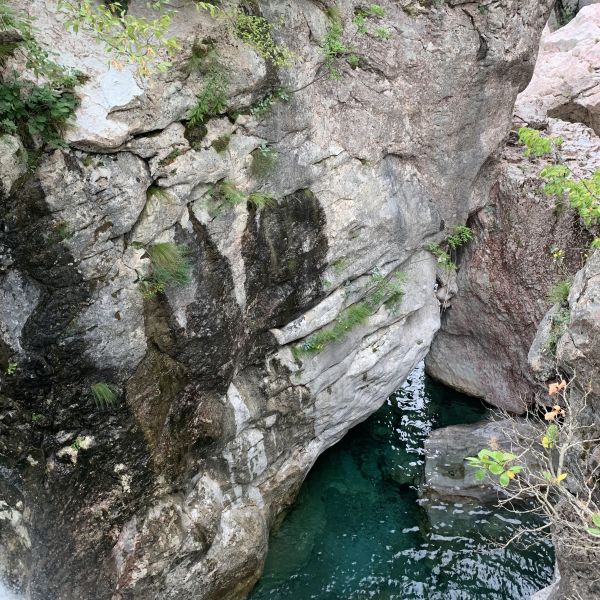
x: 504, y: 480
x: 596, y: 520
x: 480, y: 475
x: 593, y: 531
x: 496, y: 469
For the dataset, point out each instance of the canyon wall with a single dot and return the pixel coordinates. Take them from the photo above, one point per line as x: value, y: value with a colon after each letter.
x: 224, y: 399
x: 502, y: 338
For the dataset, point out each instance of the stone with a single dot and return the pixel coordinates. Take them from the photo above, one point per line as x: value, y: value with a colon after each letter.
x: 564, y: 85
x: 506, y: 274
x: 448, y: 475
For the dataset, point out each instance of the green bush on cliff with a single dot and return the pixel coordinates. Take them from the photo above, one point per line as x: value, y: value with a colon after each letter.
x: 212, y: 100
x: 38, y: 110
x: 583, y: 194
x: 536, y: 144
x: 144, y: 42
x: 446, y: 257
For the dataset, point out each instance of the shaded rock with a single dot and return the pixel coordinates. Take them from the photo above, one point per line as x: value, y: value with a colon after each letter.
x: 447, y: 474
x: 507, y: 272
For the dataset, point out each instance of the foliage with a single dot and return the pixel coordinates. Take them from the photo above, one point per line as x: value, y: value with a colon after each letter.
x: 11, y: 369
x: 537, y: 145
x: 103, y: 394
x: 496, y: 463
x: 560, y: 292
x: 258, y: 33
x: 372, y: 10
x: 264, y: 105
x: 261, y: 200
x: 382, y: 33
x: 443, y: 258
x: 561, y: 438
x: 170, y: 266
x: 558, y: 326
x: 333, y: 46
x: 212, y: 100
x: 264, y: 160
x: 146, y: 43
x: 39, y: 110
x: 228, y: 190
x: 459, y: 236
x: 583, y: 194
x: 596, y: 529
x: 37, y: 59
x: 383, y: 290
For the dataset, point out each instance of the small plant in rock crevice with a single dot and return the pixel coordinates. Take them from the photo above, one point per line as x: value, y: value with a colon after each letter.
x: 103, y: 394
x: 170, y: 266
x: 384, y: 290
x: 333, y: 46
x: 446, y: 258
x: 212, y: 99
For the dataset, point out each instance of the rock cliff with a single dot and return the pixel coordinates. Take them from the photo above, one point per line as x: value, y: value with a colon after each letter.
x: 525, y: 243
x: 223, y: 398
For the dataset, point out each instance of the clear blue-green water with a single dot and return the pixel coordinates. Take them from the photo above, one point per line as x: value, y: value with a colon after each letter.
x: 358, y: 530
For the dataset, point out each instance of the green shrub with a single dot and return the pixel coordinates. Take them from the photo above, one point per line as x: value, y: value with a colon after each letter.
x: 144, y: 42
x: 333, y: 46
x: 537, y: 144
x: 103, y: 395
x: 38, y: 110
x: 382, y: 33
x: 212, y: 100
x: 583, y: 194
x: 459, y: 236
x: 496, y: 463
x: 264, y: 160
x: 258, y: 33
x: 37, y: 59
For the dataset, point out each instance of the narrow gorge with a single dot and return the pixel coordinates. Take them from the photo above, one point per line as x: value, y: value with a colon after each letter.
x: 230, y: 231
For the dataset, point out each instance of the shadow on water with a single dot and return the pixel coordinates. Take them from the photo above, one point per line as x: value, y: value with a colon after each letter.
x: 358, y: 531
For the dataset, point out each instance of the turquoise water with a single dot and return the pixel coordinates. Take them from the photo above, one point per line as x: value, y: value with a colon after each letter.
x: 358, y: 530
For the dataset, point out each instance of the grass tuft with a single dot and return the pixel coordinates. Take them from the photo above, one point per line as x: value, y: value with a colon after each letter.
x: 103, y: 395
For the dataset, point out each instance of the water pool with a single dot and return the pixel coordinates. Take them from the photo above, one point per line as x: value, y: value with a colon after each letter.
x: 358, y: 530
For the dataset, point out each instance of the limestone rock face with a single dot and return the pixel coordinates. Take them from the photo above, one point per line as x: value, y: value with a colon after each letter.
x: 565, y: 83
x: 507, y: 273
x: 169, y: 492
